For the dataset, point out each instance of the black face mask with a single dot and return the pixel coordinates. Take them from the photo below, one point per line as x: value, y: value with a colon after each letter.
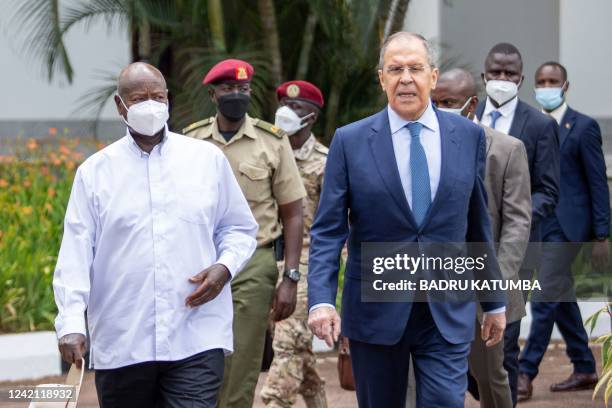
x: 233, y: 106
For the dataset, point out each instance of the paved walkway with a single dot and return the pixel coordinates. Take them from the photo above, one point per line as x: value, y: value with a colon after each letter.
x: 555, y: 367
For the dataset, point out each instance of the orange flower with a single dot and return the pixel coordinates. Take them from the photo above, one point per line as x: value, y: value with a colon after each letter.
x: 76, y: 155
x: 26, y: 210
x: 70, y: 165
x: 51, y: 192
x: 48, y: 207
x: 64, y: 150
x: 53, y: 131
x: 27, y: 183
x: 54, y: 159
x: 44, y: 170
x: 32, y: 144
x: 3, y: 183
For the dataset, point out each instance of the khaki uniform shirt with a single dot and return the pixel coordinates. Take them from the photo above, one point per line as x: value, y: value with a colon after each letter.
x: 310, y: 159
x: 261, y: 157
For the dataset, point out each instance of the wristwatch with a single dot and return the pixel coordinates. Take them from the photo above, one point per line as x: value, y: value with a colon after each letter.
x: 292, y: 274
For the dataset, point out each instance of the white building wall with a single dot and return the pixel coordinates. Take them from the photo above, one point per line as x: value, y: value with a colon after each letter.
x: 27, y: 93
x: 423, y: 17
x: 585, y: 50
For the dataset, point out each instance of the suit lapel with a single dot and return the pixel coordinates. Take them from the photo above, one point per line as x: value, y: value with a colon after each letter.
x: 381, y: 144
x: 566, y: 126
x: 519, y: 120
x: 480, y: 110
x: 450, y: 145
x: 489, y: 138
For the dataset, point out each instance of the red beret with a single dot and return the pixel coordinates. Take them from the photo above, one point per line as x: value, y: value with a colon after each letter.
x: 300, y: 90
x: 229, y: 70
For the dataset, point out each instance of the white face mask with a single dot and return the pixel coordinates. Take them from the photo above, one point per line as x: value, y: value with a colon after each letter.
x: 146, y: 118
x: 458, y: 111
x: 501, y: 91
x: 289, y: 121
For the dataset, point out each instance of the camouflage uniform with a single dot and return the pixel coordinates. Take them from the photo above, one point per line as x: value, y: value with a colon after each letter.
x: 293, y: 368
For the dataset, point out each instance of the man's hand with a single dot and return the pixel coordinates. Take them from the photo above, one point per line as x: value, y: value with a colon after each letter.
x: 599, y: 256
x: 211, y: 280
x: 493, y: 326
x: 72, y: 348
x: 284, y: 301
x: 325, y: 324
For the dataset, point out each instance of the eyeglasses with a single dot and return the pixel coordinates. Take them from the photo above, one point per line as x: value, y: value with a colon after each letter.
x: 413, y: 70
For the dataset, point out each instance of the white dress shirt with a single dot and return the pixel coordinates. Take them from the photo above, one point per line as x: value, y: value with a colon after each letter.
x: 137, y: 227
x: 558, y: 113
x: 504, y: 122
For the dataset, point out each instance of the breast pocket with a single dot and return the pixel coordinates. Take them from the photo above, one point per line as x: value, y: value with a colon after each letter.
x: 254, y: 181
x: 194, y: 204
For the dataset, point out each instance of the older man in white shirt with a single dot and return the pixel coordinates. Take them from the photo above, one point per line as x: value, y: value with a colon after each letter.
x: 155, y: 228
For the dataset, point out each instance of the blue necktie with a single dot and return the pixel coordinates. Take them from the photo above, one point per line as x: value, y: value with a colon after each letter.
x: 494, y: 116
x: 419, y: 173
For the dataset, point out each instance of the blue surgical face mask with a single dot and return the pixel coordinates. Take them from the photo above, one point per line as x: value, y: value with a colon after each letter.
x: 549, y: 98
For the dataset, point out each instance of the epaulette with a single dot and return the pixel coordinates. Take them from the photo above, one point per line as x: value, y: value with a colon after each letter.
x: 321, y: 148
x: 269, y: 127
x: 198, y: 125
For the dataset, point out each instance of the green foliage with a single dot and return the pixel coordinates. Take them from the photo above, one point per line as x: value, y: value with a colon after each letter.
x: 34, y: 189
x: 185, y: 38
x: 605, y: 380
x: 590, y: 283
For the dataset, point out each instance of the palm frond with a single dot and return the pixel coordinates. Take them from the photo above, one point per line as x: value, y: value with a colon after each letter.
x: 40, y: 20
x: 115, y: 13
x: 92, y: 103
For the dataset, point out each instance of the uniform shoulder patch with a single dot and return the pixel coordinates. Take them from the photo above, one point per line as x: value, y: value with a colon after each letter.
x: 269, y: 127
x: 198, y: 124
x: 319, y: 147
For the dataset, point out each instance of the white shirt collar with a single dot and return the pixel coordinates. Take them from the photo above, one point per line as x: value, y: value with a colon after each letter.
x: 136, y: 149
x: 506, y: 110
x: 427, y: 119
x: 558, y: 113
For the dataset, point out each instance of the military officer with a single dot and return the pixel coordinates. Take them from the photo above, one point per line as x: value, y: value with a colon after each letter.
x: 293, y: 369
x: 262, y: 160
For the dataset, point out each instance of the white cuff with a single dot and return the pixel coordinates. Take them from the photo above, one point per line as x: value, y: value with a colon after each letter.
x: 496, y: 311
x: 70, y: 324
x: 227, y: 259
x: 319, y: 305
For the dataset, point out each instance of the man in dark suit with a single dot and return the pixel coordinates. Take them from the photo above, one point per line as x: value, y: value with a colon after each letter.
x: 509, y: 202
x: 505, y: 112
x: 407, y: 174
x: 583, y: 214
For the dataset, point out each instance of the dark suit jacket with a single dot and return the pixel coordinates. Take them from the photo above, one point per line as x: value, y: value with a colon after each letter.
x: 363, y: 199
x: 584, y: 203
x: 539, y: 134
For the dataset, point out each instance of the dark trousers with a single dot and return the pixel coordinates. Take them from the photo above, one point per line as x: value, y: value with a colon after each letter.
x: 511, y: 341
x: 192, y: 382
x: 558, y: 306
x: 511, y: 356
x: 381, y: 372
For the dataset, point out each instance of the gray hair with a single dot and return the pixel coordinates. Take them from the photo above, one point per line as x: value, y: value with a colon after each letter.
x: 431, y: 52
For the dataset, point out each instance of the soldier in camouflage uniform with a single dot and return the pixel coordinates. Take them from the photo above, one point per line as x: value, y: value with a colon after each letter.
x: 261, y: 158
x: 293, y: 369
